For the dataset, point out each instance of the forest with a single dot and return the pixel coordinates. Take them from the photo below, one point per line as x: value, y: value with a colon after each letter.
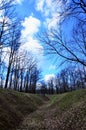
x: 55, y: 30
x: 19, y: 70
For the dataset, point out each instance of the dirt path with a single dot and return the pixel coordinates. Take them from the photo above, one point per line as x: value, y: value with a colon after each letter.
x: 47, y: 117
x: 40, y: 119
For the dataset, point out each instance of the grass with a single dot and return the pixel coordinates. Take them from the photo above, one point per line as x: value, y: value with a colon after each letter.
x: 14, y: 106
x: 70, y: 108
x: 67, y: 100
x: 62, y: 112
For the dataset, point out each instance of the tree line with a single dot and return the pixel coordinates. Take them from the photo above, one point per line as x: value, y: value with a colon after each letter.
x: 67, y: 41
x: 18, y: 69
x: 68, y: 79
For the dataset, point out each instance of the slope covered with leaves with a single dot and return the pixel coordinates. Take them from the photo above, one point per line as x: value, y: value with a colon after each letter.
x: 70, y: 110
x: 62, y: 112
x: 14, y: 106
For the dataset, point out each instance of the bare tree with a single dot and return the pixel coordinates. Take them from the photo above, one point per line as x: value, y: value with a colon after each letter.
x: 51, y: 85
x: 70, y: 78
x: 31, y: 63
x: 14, y: 43
x: 6, y: 8
x: 73, y: 50
x: 43, y: 88
x: 34, y: 77
x: 7, y: 14
x: 9, y: 34
x: 69, y: 45
x: 73, y: 8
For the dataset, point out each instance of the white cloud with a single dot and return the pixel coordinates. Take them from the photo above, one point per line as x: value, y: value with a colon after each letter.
x: 49, y: 10
x: 30, y: 26
x: 44, y: 6
x: 40, y: 5
x: 14, y: 1
x: 52, y: 22
x: 48, y: 77
x: 31, y: 44
x: 19, y: 1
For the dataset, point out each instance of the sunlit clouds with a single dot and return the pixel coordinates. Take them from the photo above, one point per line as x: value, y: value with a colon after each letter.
x: 31, y: 26
x: 49, y: 11
x: 48, y: 77
x: 45, y: 7
x: 19, y: 1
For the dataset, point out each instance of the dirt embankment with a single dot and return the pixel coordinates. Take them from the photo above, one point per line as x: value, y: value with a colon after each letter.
x: 22, y: 111
x: 14, y: 106
x: 62, y: 112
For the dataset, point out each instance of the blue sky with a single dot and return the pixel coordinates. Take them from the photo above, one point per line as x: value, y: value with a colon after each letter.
x: 37, y: 15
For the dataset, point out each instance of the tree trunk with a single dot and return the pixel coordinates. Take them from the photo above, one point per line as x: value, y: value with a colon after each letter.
x: 7, y: 77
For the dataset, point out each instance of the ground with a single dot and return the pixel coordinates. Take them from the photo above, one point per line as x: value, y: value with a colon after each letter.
x: 72, y: 116
x: 21, y: 111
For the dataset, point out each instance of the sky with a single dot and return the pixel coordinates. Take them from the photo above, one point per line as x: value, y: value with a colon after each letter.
x: 37, y: 15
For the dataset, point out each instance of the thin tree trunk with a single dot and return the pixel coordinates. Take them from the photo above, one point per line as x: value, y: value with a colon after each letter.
x: 7, y: 77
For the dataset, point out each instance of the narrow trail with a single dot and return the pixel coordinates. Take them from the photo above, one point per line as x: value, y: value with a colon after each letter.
x: 62, y: 115
x: 41, y: 119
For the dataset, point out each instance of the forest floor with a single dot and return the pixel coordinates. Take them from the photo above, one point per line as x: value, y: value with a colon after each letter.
x: 14, y: 106
x: 23, y: 111
x: 62, y: 112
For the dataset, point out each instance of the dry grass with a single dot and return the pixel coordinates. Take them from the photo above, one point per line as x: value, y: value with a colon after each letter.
x: 62, y: 112
x: 14, y: 106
